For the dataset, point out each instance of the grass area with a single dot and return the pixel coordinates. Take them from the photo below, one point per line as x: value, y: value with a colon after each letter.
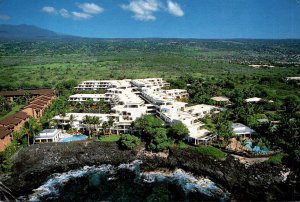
x: 15, y: 109
x: 210, y: 151
x: 109, y: 138
x: 182, y: 145
x: 276, y: 159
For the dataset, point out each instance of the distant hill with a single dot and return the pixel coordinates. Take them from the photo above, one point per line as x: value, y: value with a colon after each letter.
x: 28, y: 32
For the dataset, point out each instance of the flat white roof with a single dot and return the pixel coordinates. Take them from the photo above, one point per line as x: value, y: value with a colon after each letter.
x: 80, y: 116
x: 47, y: 134
x: 200, y: 108
x: 87, y: 96
x: 240, y: 129
x: 253, y: 99
x: 220, y: 99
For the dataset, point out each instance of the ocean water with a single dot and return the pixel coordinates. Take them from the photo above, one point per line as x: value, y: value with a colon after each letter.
x: 127, y: 182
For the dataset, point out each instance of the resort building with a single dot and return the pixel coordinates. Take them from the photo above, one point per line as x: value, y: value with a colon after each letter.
x: 18, y: 93
x: 5, y: 137
x: 102, y: 84
x: 48, y: 135
x: 131, y: 99
x: 240, y: 129
x: 253, y: 99
x: 15, y: 121
x: 296, y: 78
x: 79, y: 98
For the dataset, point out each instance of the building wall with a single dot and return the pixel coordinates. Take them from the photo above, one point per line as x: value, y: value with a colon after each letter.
x: 29, y: 111
x: 4, y: 142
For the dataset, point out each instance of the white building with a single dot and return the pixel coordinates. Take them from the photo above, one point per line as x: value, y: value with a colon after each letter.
x: 240, y: 129
x: 48, y: 135
x: 131, y: 99
x: 77, y: 121
x: 79, y: 98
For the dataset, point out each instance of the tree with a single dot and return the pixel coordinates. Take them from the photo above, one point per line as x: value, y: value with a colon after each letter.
x: 179, y: 131
x: 4, y: 104
x: 96, y: 122
x: 87, y: 120
x: 71, y: 120
x: 129, y: 141
x: 27, y: 95
x: 159, y: 140
x: 31, y: 128
x: 89, y: 103
x: 146, y: 124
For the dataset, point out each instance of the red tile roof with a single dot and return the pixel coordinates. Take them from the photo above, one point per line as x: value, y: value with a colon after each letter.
x: 10, y: 121
x: 21, y: 115
x: 39, y: 102
x: 33, y: 106
x: 21, y: 92
x: 4, y: 132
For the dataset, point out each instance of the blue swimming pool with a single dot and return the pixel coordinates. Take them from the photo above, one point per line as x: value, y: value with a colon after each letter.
x: 74, y: 138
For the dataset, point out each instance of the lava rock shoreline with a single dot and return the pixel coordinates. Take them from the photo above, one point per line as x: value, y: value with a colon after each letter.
x: 33, y: 165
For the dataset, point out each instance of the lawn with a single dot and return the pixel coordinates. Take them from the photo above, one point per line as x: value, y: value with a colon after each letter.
x: 15, y: 109
x: 109, y: 138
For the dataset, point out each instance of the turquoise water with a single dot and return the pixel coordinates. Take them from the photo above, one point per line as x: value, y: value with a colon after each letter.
x: 74, y: 138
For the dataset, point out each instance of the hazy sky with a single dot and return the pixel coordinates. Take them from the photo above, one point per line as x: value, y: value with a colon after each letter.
x: 159, y: 18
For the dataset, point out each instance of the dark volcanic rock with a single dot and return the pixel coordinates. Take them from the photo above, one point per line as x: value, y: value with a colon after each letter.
x: 33, y: 165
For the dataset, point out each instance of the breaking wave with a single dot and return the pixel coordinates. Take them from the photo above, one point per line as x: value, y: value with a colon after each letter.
x: 127, y: 182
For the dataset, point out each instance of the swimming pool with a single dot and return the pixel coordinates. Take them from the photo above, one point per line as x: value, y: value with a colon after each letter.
x: 74, y: 138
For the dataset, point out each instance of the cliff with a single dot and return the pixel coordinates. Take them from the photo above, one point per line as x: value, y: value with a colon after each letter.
x: 34, y: 164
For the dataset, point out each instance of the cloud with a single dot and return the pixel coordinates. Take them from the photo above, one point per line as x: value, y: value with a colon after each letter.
x: 64, y: 13
x: 143, y: 9
x: 80, y: 16
x: 4, y: 17
x: 90, y: 8
x: 49, y: 9
x: 175, y: 9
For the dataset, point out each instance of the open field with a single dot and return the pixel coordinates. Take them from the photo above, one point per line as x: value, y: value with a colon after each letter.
x: 44, y: 64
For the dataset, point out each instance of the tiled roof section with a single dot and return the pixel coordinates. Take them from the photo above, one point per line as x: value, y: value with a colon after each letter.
x: 34, y: 106
x: 4, y: 132
x: 39, y: 102
x: 21, y: 115
x: 44, y: 97
x: 10, y: 121
x: 21, y: 92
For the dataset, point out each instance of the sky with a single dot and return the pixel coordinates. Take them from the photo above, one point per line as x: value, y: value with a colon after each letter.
x: 205, y: 19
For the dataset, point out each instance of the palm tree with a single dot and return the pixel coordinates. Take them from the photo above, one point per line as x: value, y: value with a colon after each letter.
x: 71, y: 120
x: 110, y: 123
x: 104, y: 127
x: 89, y: 104
x: 88, y: 121
x: 27, y: 95
x: 31, y: 128
x: 96, y: 122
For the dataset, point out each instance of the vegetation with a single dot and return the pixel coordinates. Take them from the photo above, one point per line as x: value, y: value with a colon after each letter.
x: 129, y: 141
x: 179, y: 131
x: 276, y: 159
x: 109, y: 138
x: 205, y: 68
x: 210, y: 151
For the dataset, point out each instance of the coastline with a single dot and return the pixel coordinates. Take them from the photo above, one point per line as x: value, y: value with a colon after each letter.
x: 33, y: 165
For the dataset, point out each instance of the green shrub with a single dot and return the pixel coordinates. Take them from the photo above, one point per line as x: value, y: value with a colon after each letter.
x: 210, y: 151
x: 129, y: 142
x: 276, y: 159
x: 182, y: 145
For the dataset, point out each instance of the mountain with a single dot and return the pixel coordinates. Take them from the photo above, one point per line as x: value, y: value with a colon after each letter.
x: 28, y: 32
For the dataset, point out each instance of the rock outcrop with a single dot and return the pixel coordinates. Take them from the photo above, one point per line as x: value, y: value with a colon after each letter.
x: 33, y: 165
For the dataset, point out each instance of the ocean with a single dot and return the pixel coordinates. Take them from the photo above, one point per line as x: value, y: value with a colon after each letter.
x: 127, y: 182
